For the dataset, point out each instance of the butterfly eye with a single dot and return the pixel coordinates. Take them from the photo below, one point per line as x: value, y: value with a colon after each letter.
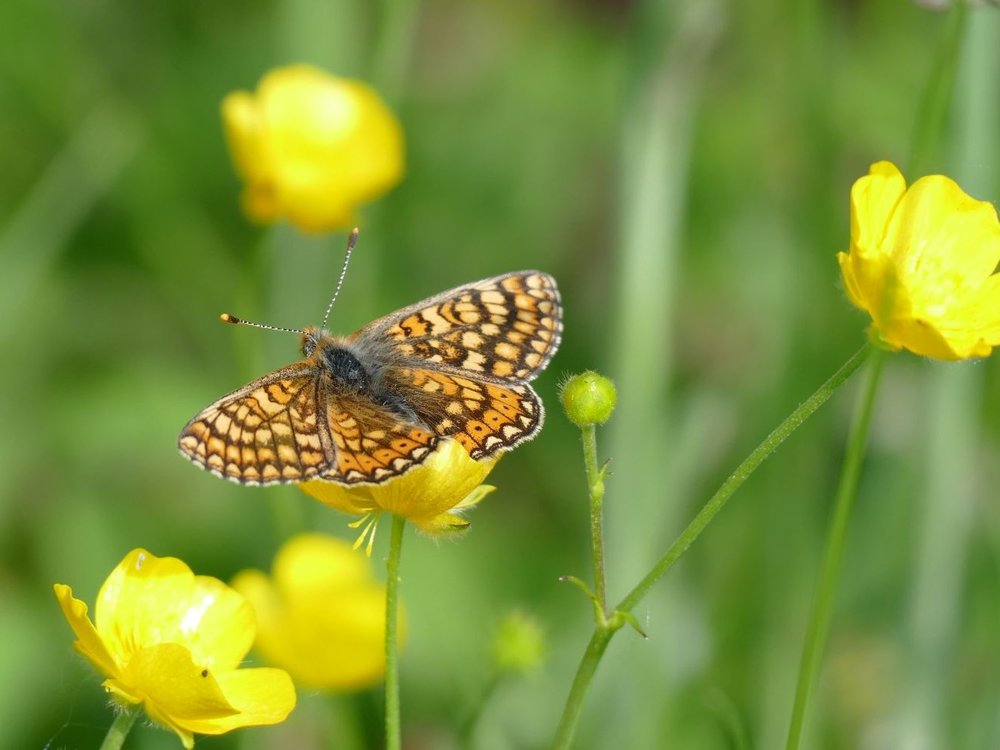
x: 310, y: 337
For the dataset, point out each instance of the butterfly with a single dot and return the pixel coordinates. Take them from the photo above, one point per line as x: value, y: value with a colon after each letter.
x: 364, y: 408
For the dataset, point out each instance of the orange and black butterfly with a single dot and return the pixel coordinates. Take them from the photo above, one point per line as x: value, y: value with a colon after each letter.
x: 367, y: 407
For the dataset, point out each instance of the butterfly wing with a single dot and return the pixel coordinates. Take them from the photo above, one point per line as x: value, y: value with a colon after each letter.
x: 267, y: 432
x: 505, y: 328
x: 454, y: 365
x: 462, y: 359
x: 370, y: 442
x: 486, y: 417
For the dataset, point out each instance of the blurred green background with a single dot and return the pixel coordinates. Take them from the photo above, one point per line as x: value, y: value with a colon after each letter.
x: 683, y: 170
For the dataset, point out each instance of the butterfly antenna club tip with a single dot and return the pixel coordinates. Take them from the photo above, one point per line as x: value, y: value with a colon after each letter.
x: 227, y: 318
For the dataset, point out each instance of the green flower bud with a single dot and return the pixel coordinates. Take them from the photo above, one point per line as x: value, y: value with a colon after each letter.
x: 519, y: 644
x: 588, y: 398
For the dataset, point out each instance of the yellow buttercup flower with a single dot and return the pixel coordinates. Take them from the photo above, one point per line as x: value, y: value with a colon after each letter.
x: 321, y: 615
x: 431, y: 496
x: 311, y: 147
x: 172, y: 642
x: 923, y: 264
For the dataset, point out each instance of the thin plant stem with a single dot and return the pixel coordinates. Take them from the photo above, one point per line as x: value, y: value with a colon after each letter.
x: 602, y: 633
x: 791, y: 423
x: 392, y: 725
x: 595, y: 488
x: 819, y: 620
x: 581, y: 684
x: 120, y: 728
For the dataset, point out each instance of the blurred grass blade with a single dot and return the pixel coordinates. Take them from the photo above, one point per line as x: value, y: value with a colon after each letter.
x: 952, y: 470
x: 75, y: 180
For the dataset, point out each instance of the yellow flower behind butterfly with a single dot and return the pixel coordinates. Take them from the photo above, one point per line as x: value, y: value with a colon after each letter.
x: 432, y: 496
x: 923, y: 264
x: 320, y: 615
x: 312, y: 147
x: 172, y: 642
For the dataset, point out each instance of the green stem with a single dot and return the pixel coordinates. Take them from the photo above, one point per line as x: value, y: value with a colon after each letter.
x: 602, y: 634
x: 120, y: 727
x: 819, y: 621
x: 791, y: 423
x: 581, y: 684
x: 392, y: 726
x: 595, y: 486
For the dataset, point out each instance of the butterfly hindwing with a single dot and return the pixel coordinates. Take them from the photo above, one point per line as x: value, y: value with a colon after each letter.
x: 369, y: 442
x: 485, y: 416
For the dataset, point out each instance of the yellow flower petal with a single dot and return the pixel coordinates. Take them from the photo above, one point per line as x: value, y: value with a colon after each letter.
x: 171, y: 684
x: 149, y: 599
x: 441, y: 484
x: 452, y: 521
x: 88, y: 642
x: 922, y: 263
x: 312, y: 147
x: 322, y: 616
x: 172, y: 641
x: 260, y: 697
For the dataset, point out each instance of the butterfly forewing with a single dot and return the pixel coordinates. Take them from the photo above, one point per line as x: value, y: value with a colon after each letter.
x: 507, y: 327
x: 266, y: 432
x: 454, y: 365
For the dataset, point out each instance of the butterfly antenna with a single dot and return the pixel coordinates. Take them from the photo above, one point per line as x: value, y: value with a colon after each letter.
x: 351, y: 242
x: 227, y: 318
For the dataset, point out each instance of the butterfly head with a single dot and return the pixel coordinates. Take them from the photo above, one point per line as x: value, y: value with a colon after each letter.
x: 311, y: 336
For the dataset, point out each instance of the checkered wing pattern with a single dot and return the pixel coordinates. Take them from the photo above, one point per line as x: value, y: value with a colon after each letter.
x: 264, y: 433
x: 455, y: 365
x: 506, y: 328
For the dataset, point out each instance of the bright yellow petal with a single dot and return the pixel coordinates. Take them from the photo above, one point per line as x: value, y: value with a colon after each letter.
x: 452, y: 521
x: 149, y: 600
x: 873, y: 200
x: 919, y: 337
x: 354, y: 502
x: 330, y: 645
x: 922, y: 264
x: 852, y: 286
x: 443, y: 481
x: 944, y: 239
x: 317, y: 564
x: 260, y: 696
x: 312, y: 147
x: 173, y: 685
x: 244, y: 134
x: 88, y: 642
x: 323, y: 616
x: 436, y: 486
